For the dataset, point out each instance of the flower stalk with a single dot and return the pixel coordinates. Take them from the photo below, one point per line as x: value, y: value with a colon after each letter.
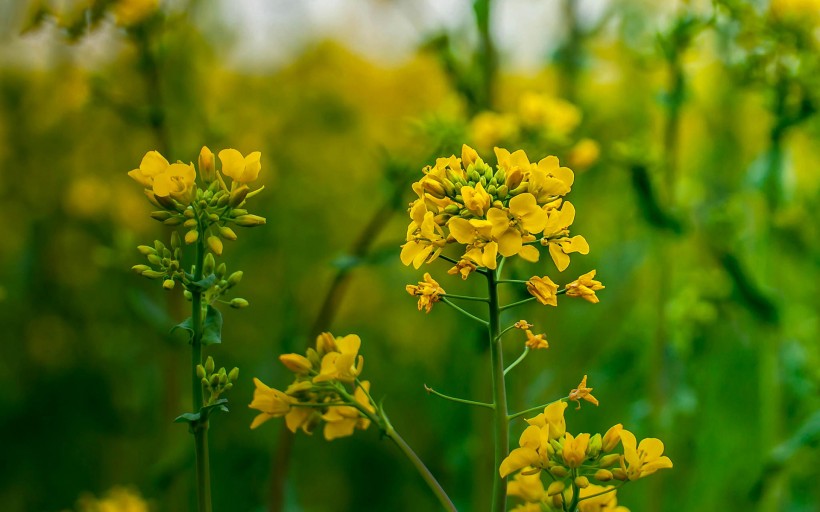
x: 501, y: 425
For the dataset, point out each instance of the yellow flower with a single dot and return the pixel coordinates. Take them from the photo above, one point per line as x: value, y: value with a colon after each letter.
x: 464, y: 267
x: 607, y: 502
x: 476, y: 199
x: 428, y: 291
x: 536, y: 342
x: 555, y: 236
x: 643, y: 460
x: 543, y: 289
x: 548, y: 180
x: 553, y: 419
x: 527, y: 485
x: 585, y: 287
x: 240, y: 169
x: 533, y: 451
x: 612, y: 438
x: 271, y: 402
x: 425, y: 238
x: 341, y: 420
x: 153, y: 164
x: 117, y: 499
x: 176, y: 181
x: 582, y: 392
x: 490, y: 128
x: 510, y: 225
x: 575, y: 449
x: 557, y: 117
x: 476, y: 234
x: 523, y: 325
x: 344, y: 365
x: 584, y: 154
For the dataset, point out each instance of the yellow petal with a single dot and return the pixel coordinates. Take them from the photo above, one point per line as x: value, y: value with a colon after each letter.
x: 233, y: 164
x: 529, y: 253
x: 153, y: 163
x: 518, y: 458
x: 561, y: 260
x: 509, y: 243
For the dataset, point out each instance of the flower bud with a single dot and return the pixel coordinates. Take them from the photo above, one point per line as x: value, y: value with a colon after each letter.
x: 214, y: 382
x: 234, y: 374
x: 209, y: 365
x: 205, y: 382
x: 594, y: 446
x: 619, y: 474
x: 238, y: 195
x: 139, y: 269
x: 556, y: 487
x: 155, y: 260
x: 296, y: 363
x: 227, y: 386
x: 609, y: 460
x: 227, y: 233
x: 249, y: 220
x: 603, y: 475
x: 188, y: 295
x: 191, y: 236
x: 200, y: 371
x: 223, y: 378
x: 152, y: 274
x: 612, y: 438
x: 189, y: 213
x: 168, y: 284
x: 190, y: 223
x: 208, y: 264
x: 234, y: 278
x: 173, y: 221
x: 239, y: 303
x: 176, y: 243
x: 146, y: 250
x: 215, y: 244
x: 207, y: 170
x: 220, y: 270
x: 581, y: 482
x: 161, y: 215
x: 558, y: 471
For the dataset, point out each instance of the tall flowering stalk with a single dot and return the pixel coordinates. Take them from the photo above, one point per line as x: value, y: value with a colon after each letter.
x: 206, y: 212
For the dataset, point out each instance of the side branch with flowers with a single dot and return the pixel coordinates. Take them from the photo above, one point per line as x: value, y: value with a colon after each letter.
x: 206, y: 213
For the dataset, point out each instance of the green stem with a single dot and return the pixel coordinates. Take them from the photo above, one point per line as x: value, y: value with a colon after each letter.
x: 501, y: 425
x: 199, y: 429
x: 510, y: 281
x: 467, y: 297
x: 520, y: 358
x: 458, y: 400
x: 421, y: 468
x: 613, y: 489
x: 464, y: 312
x: 514, y: 304
x: 576, y: 493
x: 533, y: 409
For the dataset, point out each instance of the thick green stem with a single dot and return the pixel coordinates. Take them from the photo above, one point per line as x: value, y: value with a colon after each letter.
x: 501, y: 425
x: 199, y: 429
x: 421, y: 468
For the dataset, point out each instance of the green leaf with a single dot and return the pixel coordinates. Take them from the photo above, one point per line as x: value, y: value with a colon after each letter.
x: 204, y: 412
x: 212, y: 327
x: 202, y: 285
x: 186, y: 325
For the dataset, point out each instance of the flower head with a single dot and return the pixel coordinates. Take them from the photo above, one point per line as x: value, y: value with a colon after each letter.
x: 575, y: 449
x: 344, y: 365
x: 523, y: 325
x: 643, y: 459
x: 543, y: 289
x: 585, y: 287
x: 238, y: 168
x: 271, y: 402
x: 535, y: 342
x: 428, y: 291
x: 582, y: 392
x: 341, y: 420
x: 176, y: 181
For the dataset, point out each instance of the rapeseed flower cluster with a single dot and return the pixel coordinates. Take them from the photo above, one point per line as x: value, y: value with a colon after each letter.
x: 326, y: 389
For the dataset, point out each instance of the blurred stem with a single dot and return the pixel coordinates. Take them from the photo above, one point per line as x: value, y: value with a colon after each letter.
x: 501, y: 424
x: 570, y: 53
x: 199, y: 428
x: 150, y: 71
x: 486, y: 53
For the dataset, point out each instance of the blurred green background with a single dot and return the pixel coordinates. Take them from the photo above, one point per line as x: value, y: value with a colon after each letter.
x: 699, y: 202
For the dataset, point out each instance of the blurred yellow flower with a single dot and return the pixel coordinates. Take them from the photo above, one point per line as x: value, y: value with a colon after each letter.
x: 240, y: 169
x: 428, y: 291
x: 522, y: 324
x: 131, y: 12
x: 527, y: 486
x: 488, y: 129
x: 582, y: 392
x: 536, y: 342
x: 585, y: 287
x: 344, y: 365
x: 557, y: 117
x: 341, y: 420
x: 612, y: 438
x: 644, y: 459
x: 296, y: 363
x: 543, y: 289
x: 117, y: 499
x: 583, y: 154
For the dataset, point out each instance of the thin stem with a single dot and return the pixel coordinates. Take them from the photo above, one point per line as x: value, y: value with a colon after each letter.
x: 514, y: 304
x: 511, y: 281
x: 520, y: 358
x: 613, y: 489
x: 200, y: 428
x: 533, y: 409
x: 467, y: 297
x: 464, y: 312
x: 502, y: 333
x: 420, y: 467
x: 458, y: 400
x: 501, y: 425
x: 456, y: 262
x: 576, y: 493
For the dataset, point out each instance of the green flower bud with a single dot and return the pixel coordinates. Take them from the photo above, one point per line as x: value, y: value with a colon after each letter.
x: 227, y: 233
x: 188, y: 295
x: 238, y: 195
x: 146, y: 250
x: 168, y: 284
x: 582, y: 482
x: 234, y: 375
x: 190, y: 223
x: 609, y: 460
x: 222, y: 199
x: 209, y: 365
x: 239, y: 303
x: 200, y: 371
x: 594, y: 446
x: 139, y: 269
x: 214, y: 382
x: 188, y: 213
x: 155, y: 260
x: 249, y: 221
x: 223, y: 379
x: 173, y: 221
x: 215, y: 244
x: 213, y: 217
x: 558, y: 471
x: 619, y: 474
x: 191, y: 236
x: 452, y: 209
x: 238, y: 212
x: 221, y: 270
x: 228, y: 386
x: 153, y: 274
x: 235, y: 278
x: 205, y: 383
x: 161, y: 215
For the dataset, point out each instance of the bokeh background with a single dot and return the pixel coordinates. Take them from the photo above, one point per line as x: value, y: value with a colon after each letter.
x: 693, y: 131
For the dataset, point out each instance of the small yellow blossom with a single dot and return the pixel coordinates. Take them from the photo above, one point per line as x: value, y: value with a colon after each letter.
x: 644, y: 459
x: 428, y: 291
x: 543, y: 289
x: 575, y: 449
x: 341, y: 420
x: 510, y: 225
x: 271, y: 402
x: 344, y: 365
x: 533, y: 451
x: 425, y: 238
x: 584, y: 154
x: 612, y: 438
x: 582, y: 392
x: 594, y: 498
x: 296, y: 363
x: 464, y: 267
x: 527, y: 485
x: 585, y: 287
x: 536, y: 342
x: 476, y: 234
x: 207, y: 168
x: 240, y: 169
x: 523, y: 325
x: 556, y: 236
x: 176, y: 181
x: 153, y: 164
x: 552, y: 418
x: 476, y: 199
x: 557, y: 117
x: 488, y: 129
